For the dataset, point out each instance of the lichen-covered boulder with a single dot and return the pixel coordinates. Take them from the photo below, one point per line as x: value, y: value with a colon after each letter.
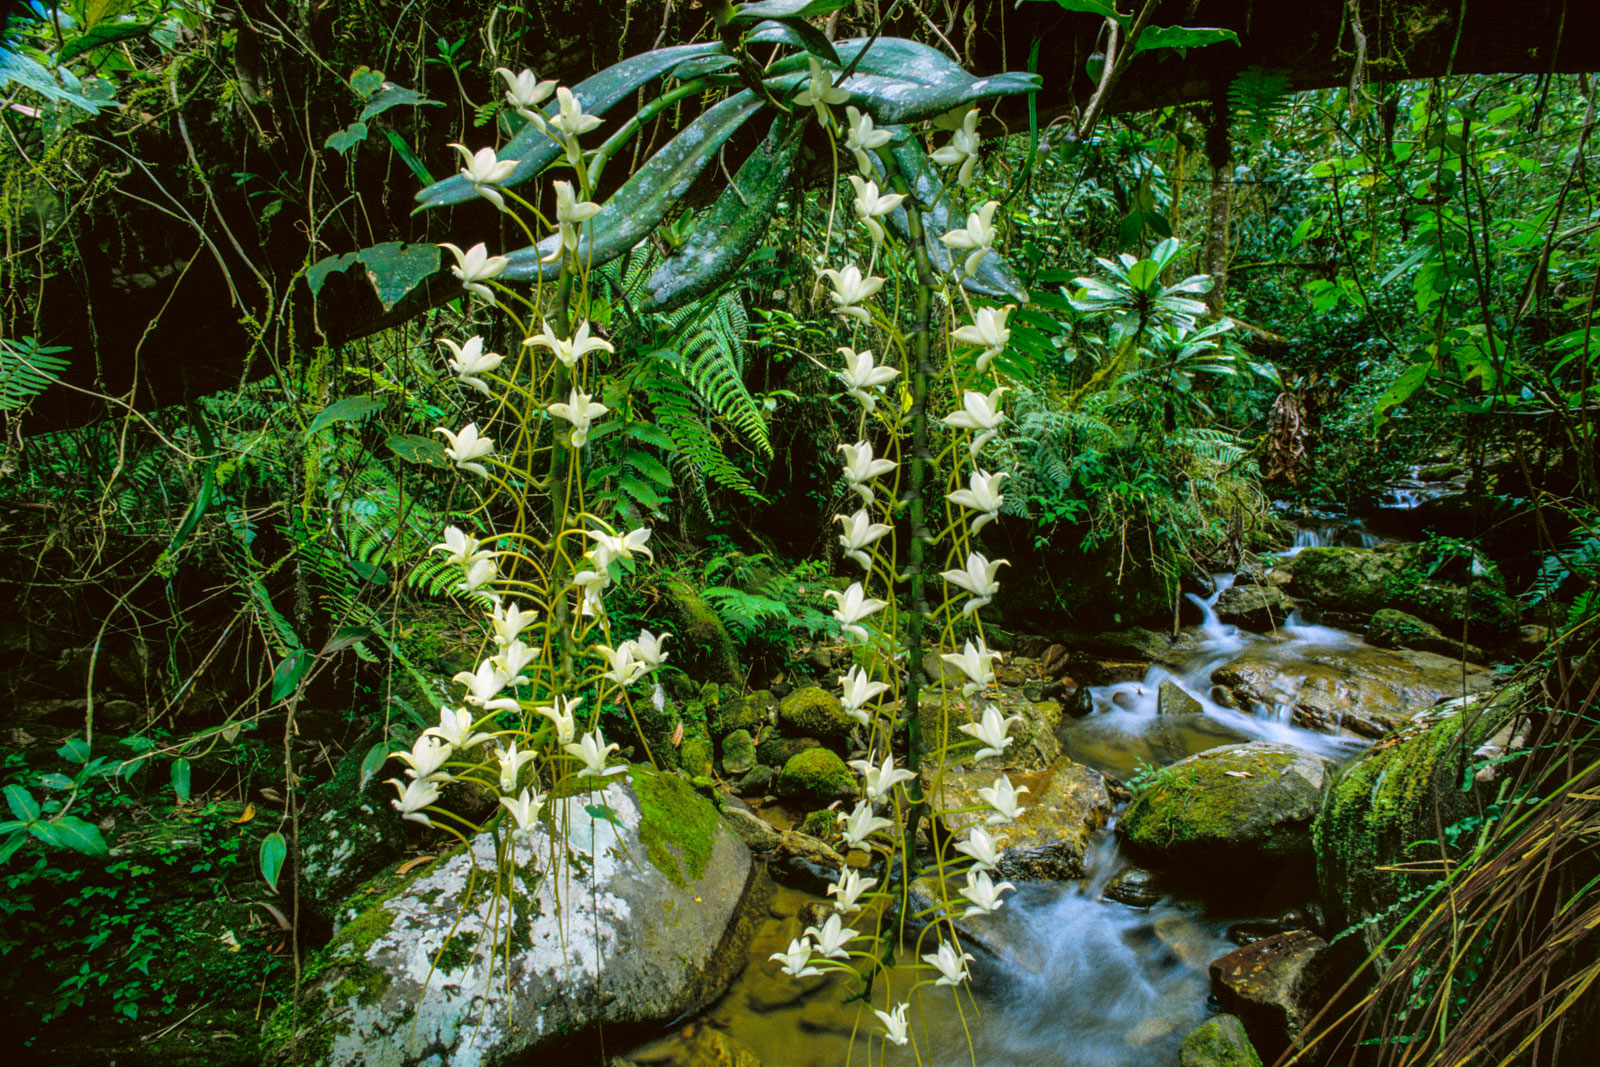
x: 1390, y: 628
x: 1261, y: 608
x: 1218, y: 1042
x: 1275, y: 986
x: 816, y: 773
x: 815, y: 712
x: 348, y: 832
x: 1064, y: 806
x: 640, y: 914
x: 1237, y: 802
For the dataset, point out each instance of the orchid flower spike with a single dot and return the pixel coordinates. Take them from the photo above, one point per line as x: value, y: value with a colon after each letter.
x: 860, y: 532
x: 461, y: 548
x: 861, y: 379
x: 524, y: 808
x: 850, y: 289
x: 570, y: 352
x: 978, y: 236
x: 981, y: 415
x: 469, y: 360
x: 414, y: 796
x: 962, y: 151
x: 881, y: 778
x: 977, y: 578
x: 853, y: 607
x: 863, y: 138
x: 525, y: 92
x: 581, y: 412
x: 992, y: 730
x: 976, y: 662
x: 466, y: 448
x: 484, y: 170
x: 820, y: 92
x: 895, y: 1023
x: 860, y: 468
x: 475, y: 267
x: 981, y: 495
x: 871, y: 205
x: 859, y: 688
x: 987, y: 331
x: 848, y: 889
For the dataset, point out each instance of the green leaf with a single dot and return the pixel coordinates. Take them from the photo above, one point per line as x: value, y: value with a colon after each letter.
x: 1181, y: 37
x: 534, y: 150
x: 350, y: 409
x: 54, y: 781
x: 1398, y: 393
x: 366, y: 81
x: 352, y: 633
x: 274, y: 850
x: 102, y: 35
x: 394, y: 268
x: 395, y: 96
x: 80, y: 836
x: 16, y: 67
x: 414, y: 448
x: 1104, y: 8
x: 287, y: 677
x: 180, y: 779
x: 785, y: 9
x: 9, y: 846
x: 372, y: 763
x: 76, y: 750
x: 342, y: 141
x: 22, y: 804
x: 797, y: 33
x: 407, y: 156
x: 600, y: 811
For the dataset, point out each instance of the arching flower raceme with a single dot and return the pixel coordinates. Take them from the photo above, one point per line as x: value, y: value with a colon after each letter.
x: 981, y: 415
x: 894, y: 1023
x: 525, y: 92
x: 484, y: 170
x: 860, y: 468
x: 962, y: 151
x: 987, y: 331
x: 581, y: 413
x: 511, y: 764
x: 591, y: 583
x: 571, y: 213
x: 427, y: 757
x: 570, y: 352
x: 485, y: 685
x: 561, y: 713
x: 455, y: 726
x: 479, y: 575
x: 860, y: 532
x: 950, y: 963
x: 863, y: 138
x: 858, y: 689
x: 508, y: 621
x: 981, y: 495
x: 466, y: 448
x: 461, y: 548
x: 593, y: 751
x: 820, y: 92
x: 853, y: 607
x: 475, y: 267
x: 978, y: 236
x: 415, y: 795
x: 570, y: 123
x: 861, y: 379
x: 797, y: 961
x: 977, y: 578
x: 647, y: 649
x: 1003, y: 798
x: 881, y: 778
x: 861, y: 823
x: 871, y: 205
x: 848, y: 889
x: 832, y: 937
x: 524, y: 808
x: 976, y: 662
x: 980, y: 846
x: 470, y: 360
x: 850, y: 289
x: 992, y: 730
x: 983, y: 892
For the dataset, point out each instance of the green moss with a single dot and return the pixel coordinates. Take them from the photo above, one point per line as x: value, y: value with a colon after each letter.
x: 456, y: 953
x: 359, y: 934
x: 823, y: 824
x: 1219, y: 1042
x: 704, y: 648
x: 749, y: 712
x: 678, y: 826
x: 816, y: 772
x: 1195, y: 806
x: 814, y: 712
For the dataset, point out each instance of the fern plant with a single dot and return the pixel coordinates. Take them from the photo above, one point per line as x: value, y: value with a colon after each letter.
x: 26, y: 370
x: 1256, y: 96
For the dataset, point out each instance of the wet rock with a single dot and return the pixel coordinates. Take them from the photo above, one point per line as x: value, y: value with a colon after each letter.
x: 1274, y: 986
x: 1389, y: 628
x: 1136, y: 887
x: 646, y: 920
x: 815, y: 712
x: 1222, y: 696
x: 348, y: 833
x: 1530, y: 642
x: 1259, y: 608
x: 777, y: 751
x: 696, y: 1045
x: 1171, y: 699
x: 1135, y: 642
x: 1053, y: 662
x: 1368, y: 691
x: 738, y: 752
x: 1081, y: 703
x: 1065, y: 805
x: 1254, y: 801
x: 1218, y: 1042
x: 942, y: 712
x: 816, y: 773
x: 793, y: 858
x: 1355, y: 582
x: 1185, y: 939
x: 757, y: 781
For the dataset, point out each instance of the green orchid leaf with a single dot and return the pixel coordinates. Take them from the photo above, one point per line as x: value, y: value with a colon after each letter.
x: 372, y: 763
x: 728, y: 232
x: 1181, y: 37
x: 22, y: 804
x: 54, y: 781
x: 350, y: 409
x: 797, y: 33
x: 274, y: 850
x: 786, y: 9
x: 414, y: 448
x: 1104, y: 8
x: 645, y: 198
x: 897, y: 101
x: 80, y: 836
x: 699, y: 68
x: 342, y: 141
x: 9, y: 846
x: 534, y: 150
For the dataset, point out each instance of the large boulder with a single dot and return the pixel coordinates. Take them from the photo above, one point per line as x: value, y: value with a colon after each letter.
x: 1353, y: 580
x: 1352, y: 583
x: 1237, y: 802
x: 1261, y: 608
x: 1391, y: 628
x: 1367, y: 691
x: 348, y: 832
x: 1275, y: 986
x: 815, y: 774
x: 1218, y: 1042
x: 815, y: 712
x: 941, y: 712
x: 1064, y: 805
x: 643, y: 918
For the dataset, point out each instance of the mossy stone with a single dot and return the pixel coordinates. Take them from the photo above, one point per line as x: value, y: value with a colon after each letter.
x: 738, y: 752
x: 817, y: 773
x: 677, y: 825
x: 757, y: 781
x: 815, y: 712
x: 776, y: 751
x: 822, y: 823
x: 742, y: 711
x: 704, y: 648
x: 1218, y: 1042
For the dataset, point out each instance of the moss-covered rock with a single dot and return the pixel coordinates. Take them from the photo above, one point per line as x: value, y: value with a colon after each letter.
x: 776, y: 751
x: 1390, y: 628
x: 348, y: 832
x: 1251, y: 801
x: 1356, y: 582
x: 1173, y: 699
x: 703, y: 648
x: 1064, y: 806
x: 941, y: 712
x: 815, y: 712
x: 742, y: 711
x: 817, y: 773
x: 738, y: 753
x: 1218, y: 1042
x: 1260, y: 608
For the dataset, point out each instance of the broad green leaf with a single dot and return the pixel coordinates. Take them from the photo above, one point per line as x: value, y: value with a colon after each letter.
x: 55, y: 781
x: 1103, y: 8
x: 22, y: 804
x: 76, y: 750
x: 600, y: 811
x: 395, y: 96
x: 350, y: 409
x: 1398, y: 393
x: 900, y: 81
x: 728, y: 232
x: 797, y: 33
x: 783, y: 9
x: 274, y: 850
x: 9, y: 846
x: 342, y: 141
x: 394, y: 268
x: 372, y: 763
x: 16, y: 67
x: 181, y: 772
x: 1155, y: 37
x: 353, y: 633
x: 1144, y: 275
x: 366, y: 81
x: 288, y: 674
x: 80, y: 836
x: 534, y: 150
x: 414, y: 448
x: 102, y: 35
x: 645, y: 198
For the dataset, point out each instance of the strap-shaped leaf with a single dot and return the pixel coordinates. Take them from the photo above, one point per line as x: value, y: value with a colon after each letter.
x: 784, y: 9
x: 730, y: 230
x: 534, y: 150
x: 796, y: 33
x: 644, y: 199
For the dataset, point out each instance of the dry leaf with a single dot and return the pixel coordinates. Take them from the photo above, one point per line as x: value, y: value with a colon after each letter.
x: 677, y: 735
x: 283, y: 920
x: 411, y: 865
x: 1238, y: 774
x: 249, y: 813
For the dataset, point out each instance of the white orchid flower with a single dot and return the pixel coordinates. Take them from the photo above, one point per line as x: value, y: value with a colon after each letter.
x: 561, y: 714
x: 648, y: 650
x: 475, y: 267
x: 484, y: 170
x: 962, y: 151
x: 455, y: 726
x: 977, y: 578
x: 858, y: 688
x: 863, y: 138
x: 850, y: 289
x: 820, y: 92
x: 880, y: 779
x: 983, y: 892
x: 980, y: 846
x: 508, y: 621
x: 848, y: 889
x: 524, y: 808
x: 593, y: 751
x: 982, y: 416
x: 485, y: 685
x: 581, y: 412
x: 871, y: 205
x: 461, y: 548
x: 525, y: 93
x: 992, y: 730
x: 895, y: 1023
x: 511, y: 764
x: 470, y: 360
x: 951, y: 964
x: 428, y: 754
x: 1003, y: 798
x: 591, y: 584
x: 859, y: 533
x: 570, y: 352
x: 415, y: 795
x: 860, y: 468
x: 513, y: 658
x: 622, y: 546
x: 479, y: 575
x: 861, y: 824
x: 466, y: 448
x: 625, y: 670
x: 981, y: 495
x: 832, y: 937
x: 976, y: 662
x: 853, y: 607
x: 978, y: 236
x: 861, y: 378
x: 796, y: 962
x: 571, y: 214
x: 987, y: 331
x: 570, y: 123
